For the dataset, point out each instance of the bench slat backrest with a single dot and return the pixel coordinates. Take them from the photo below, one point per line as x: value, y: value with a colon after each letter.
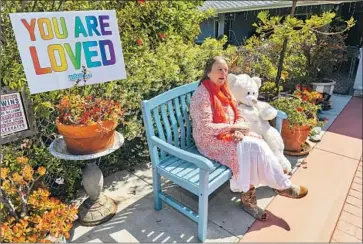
x: 167, y: 117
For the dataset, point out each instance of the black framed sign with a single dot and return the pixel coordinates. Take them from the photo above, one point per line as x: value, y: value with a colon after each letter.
x: 17, y: 119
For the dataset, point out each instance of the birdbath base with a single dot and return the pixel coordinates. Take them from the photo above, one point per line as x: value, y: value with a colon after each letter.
x: 96, y: 212
x: 97, y: 208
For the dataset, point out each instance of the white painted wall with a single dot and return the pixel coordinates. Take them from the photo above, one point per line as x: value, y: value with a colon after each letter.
x: 220, y: 24
x: 359, y: 76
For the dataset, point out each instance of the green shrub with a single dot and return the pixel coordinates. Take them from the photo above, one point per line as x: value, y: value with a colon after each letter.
x: 314, y: 44
x: 159, y: 52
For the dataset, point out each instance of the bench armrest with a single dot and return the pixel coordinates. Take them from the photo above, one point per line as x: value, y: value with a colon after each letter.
x: 279, y: 118
x: 281, y: 114
x: 199, y: 161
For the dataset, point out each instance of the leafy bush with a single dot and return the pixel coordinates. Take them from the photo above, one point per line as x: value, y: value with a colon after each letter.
x: 313, y: 45
x: 28, y: 213
x: 159, y: 52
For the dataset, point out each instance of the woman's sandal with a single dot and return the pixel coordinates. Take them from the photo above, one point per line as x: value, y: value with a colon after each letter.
x: 256, y: 212
x: 293, y: 192
x: 249, y: 204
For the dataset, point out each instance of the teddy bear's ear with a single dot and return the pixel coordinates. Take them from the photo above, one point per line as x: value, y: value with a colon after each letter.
x: 257, y: 80
x: 231, y: 79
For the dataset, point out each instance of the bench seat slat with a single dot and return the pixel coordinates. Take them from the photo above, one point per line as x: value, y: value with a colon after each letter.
x: 189, y: 173
x: 174, y: 165
x: 180, y: 168
x: 167, y: 162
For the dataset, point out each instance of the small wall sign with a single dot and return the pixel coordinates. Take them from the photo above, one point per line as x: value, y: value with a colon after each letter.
x: 17, y: 119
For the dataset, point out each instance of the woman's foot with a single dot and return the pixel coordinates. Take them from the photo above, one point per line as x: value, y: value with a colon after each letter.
x: 293, y: 192
x: 249, y: 204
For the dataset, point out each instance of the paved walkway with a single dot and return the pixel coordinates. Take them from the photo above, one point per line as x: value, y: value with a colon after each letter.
x: 330, y: 172
x: 349, y: 225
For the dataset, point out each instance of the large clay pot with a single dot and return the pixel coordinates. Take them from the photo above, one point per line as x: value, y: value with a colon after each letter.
x: 295, y: 137
x: 88, y: 139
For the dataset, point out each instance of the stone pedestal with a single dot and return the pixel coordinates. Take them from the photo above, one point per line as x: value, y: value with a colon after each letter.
x: 97, y: 208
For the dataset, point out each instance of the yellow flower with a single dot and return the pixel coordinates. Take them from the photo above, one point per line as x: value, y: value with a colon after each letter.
x: 28, y: 172
x: 22, y: 160
x: 4, y: 173
x: 18, y: 179
x: 284, y: 75
x: 41, y: 170
x: 8, y: 188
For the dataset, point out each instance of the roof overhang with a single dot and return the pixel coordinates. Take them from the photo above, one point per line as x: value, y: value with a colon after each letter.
x: 222, y: 6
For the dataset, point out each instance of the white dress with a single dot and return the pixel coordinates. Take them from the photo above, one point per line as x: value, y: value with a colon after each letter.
x: 258, y: 166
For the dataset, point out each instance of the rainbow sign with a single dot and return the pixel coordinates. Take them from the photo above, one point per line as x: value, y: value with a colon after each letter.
x: 55, y: 46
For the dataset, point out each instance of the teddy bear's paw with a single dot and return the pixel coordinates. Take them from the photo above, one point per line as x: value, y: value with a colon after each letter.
x: 268, y: 114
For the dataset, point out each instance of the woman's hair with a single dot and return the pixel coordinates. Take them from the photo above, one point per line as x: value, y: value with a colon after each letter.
x: 209, y: 65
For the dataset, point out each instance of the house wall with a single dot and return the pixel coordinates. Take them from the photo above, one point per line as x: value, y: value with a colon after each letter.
x: 207, y: 28
x: 238, y: 26
x: 241, y: 27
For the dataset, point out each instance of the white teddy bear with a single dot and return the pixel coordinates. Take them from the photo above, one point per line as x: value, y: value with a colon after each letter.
x: 257, y: 113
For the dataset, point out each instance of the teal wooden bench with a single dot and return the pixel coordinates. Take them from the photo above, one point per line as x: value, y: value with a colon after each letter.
x: 174, y: 155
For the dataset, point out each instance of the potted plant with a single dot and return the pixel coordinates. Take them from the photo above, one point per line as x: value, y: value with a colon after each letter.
x: 301, y: 118
x: 87, y: 123
x: 28, y: 212
x: 307, y: 94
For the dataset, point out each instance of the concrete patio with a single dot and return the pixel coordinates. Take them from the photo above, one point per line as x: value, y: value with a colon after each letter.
x: 328, y: 166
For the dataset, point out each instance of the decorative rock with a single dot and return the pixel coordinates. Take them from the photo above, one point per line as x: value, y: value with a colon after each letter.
x: 317, y: 134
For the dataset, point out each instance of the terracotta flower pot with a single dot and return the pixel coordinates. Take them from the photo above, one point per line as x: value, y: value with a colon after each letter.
x: 294, y: 138
x: 88, y: 139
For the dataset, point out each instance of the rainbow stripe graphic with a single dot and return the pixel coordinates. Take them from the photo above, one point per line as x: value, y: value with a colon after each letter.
x: 94, y: 52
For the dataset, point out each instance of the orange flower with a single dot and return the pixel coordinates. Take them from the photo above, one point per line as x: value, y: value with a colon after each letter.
x: 66, y: 235
x: 9, y: 188
x: 41, y: 170
x: 4, y: 173
x: 28, y: 172
x: 45, y: 241
x: 18, y: 179
x: 161, y: 35
x: 24, y: 222
x: 22, y: 160
x: 300, y: 109
x: 284, y: 75
x: 139, y: 41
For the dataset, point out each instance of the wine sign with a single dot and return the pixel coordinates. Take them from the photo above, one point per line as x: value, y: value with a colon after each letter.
x: 55, y: 46
x: 17, y: 119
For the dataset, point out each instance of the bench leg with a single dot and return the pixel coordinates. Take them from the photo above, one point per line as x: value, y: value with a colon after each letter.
x: 203, y: 206
x: 158, y: 204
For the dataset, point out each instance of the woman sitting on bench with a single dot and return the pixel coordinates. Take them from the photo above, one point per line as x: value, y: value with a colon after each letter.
x: 221, y: 134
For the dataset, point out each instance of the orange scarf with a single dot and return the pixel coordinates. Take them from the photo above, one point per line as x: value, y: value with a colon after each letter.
x: 221, y: 95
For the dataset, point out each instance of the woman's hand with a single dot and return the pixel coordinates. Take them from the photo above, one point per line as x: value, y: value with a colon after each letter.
x: 241, y: 127
x: 238, y: 136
